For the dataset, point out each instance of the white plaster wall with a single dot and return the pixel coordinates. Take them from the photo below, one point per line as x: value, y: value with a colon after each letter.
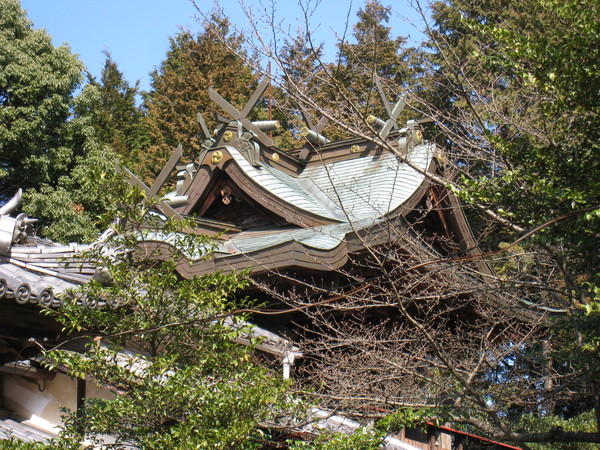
x: 92, y: 390
x: 41, y: 407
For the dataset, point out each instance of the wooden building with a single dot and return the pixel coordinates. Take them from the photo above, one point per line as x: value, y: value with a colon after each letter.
x: 306, y: 213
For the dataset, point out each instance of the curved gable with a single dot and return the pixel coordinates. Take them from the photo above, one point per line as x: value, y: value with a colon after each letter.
x: 364, y: 187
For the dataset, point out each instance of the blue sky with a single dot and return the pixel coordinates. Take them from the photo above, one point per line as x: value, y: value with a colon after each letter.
x: 136, y: 32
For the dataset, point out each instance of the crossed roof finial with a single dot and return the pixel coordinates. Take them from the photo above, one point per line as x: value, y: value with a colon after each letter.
x: 392, y: 111
x: 242, y: 116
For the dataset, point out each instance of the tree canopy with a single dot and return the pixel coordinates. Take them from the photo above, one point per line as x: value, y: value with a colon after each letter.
x: 179, y: 89
x: 119, y: 121
x: 48, y: 144
x: 38, y: 141
x: 513, y: 90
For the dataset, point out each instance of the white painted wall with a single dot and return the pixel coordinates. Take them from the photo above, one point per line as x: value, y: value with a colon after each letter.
x: 42, y: 408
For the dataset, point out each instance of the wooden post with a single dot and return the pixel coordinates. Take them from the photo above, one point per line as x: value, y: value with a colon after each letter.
x: 80, y: 394
x: 270, y: 98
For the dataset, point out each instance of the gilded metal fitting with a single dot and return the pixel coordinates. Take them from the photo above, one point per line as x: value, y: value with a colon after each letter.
x: 217, y: 156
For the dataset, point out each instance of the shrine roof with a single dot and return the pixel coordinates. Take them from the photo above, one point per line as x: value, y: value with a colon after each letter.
x: 364, y: 187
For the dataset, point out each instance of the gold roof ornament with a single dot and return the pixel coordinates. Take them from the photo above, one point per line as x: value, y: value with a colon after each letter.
x: 216, y: 157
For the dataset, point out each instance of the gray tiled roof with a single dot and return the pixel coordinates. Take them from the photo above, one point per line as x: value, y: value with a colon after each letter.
x: 39, y: 273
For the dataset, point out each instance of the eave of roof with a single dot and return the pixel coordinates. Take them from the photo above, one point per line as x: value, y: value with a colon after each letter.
x: 364, y: 186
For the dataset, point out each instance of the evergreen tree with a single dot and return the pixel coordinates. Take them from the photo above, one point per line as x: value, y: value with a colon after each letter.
x: 375, y: 52
x: 179, y: 90
x: 519, y: 83
x: 82, y: 203
x: 38, y: 138
x: 119, y: 121
x: 47, y: 139
x: 345, y: 90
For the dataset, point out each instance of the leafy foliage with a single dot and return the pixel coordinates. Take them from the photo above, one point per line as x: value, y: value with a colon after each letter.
x: 16, y: 444
x: 163, y: 343
x: 80, y: 203
x: 537, y: 422
x: 38, y: 137
x: 119, y: 122
x: 48, y: 144
x: 525, y: 101
x: 411, y: 417
x: 179, y: 90
x: 519, y: 84
x: 361, y: 439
